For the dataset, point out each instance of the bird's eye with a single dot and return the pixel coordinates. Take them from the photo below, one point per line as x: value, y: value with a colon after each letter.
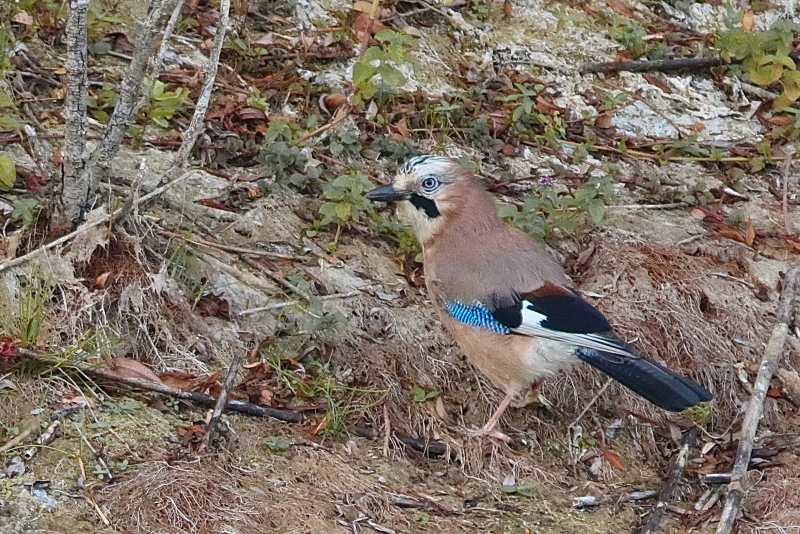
x: 430, y: 184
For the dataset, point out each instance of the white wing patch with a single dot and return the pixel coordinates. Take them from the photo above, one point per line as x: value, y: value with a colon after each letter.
x: 532, y: 326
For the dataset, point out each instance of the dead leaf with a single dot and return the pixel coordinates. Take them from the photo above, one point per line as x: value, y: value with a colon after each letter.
x: 101, y: 281
x: 747, y: 20
x: 698, y: 214
x: 441, y: 413
x: 507, y: 8
x: 177, y: 379
x: 750, y: 233
x: 7, y: 384
x: 508, y: 150
x: 730, y: 233
x: 23, y: 18
x: 603, y: 121
x: 618, y: 7
x: 366, y: 25
x: 128, y: 368
x: 402, y: 128
x: 412, y: 31
x: 265, y: 40
x: 361, y: 6
x: 335, y: 101
x: 613, y: 459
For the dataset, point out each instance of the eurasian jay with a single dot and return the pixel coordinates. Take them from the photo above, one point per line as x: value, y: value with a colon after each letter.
x: 507, y: 303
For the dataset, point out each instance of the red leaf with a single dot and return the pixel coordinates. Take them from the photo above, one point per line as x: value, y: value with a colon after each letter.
x: 612, y: 458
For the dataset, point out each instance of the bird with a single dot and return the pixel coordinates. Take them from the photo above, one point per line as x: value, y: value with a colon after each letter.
x: 505, y: 300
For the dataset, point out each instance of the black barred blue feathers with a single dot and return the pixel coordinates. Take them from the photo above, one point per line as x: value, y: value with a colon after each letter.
x: 476, y: 315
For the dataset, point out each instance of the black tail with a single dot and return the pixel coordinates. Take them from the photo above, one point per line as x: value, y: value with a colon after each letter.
x: 652, y: 381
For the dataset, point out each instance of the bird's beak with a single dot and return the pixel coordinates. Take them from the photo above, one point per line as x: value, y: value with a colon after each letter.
x: 386, y: 193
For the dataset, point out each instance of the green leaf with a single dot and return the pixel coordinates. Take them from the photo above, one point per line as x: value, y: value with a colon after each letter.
x: 277, y: 444
x: 362, y: 71
x: 6, y: 101
x: 343, y: 210
x: 420, y: 395
x: 100, y: 48
x: 507, y: 211
x: 8, y: 173
x: 391, y: 76
x: 595, y: 209
x: 527, y: 489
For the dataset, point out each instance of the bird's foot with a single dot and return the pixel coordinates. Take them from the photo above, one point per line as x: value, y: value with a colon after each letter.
x: 490, y: 432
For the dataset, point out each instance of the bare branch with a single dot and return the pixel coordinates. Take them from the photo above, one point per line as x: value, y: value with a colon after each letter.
x: 41, y: 154
x: 74, y: 186
x: 131, y: 85
x: 193, y: 131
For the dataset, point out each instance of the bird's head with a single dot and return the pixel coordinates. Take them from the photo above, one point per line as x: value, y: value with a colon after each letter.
x: 427, y: 189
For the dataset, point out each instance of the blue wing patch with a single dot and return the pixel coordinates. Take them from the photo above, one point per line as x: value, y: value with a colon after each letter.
x: 476, y: 315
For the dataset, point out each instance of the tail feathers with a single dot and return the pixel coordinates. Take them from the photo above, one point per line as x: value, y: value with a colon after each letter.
x: 654, y: 382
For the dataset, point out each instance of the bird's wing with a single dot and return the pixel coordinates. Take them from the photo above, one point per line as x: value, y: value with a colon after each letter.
x: 551, y: 312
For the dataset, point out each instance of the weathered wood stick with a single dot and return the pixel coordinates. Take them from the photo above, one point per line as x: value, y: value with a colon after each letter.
x: 769, y: 363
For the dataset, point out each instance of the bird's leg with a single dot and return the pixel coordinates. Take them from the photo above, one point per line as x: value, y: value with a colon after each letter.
x: 498, y: 413
x: 488, y: 428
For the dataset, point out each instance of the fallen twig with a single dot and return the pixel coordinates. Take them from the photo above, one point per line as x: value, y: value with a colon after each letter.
x: 590, y: 501
x: 35, y: 425
x: 769, y: 363
x: 195, y: 396
x: 97, y: 455
x: 230, y: 248
x: 279, y: 305
x: 665, y: 495
x: 661, y: 65
x: 222, y: 399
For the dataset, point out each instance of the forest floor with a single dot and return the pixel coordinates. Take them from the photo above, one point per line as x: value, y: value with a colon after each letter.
x: 666, y: 197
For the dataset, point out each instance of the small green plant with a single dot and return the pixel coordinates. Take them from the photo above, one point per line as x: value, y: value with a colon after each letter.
x: 100, y: 472
x: 377, y: 73
x: 345, y: 202
x: 314, y: 381
x: 257, y: 101
x: 8, y: 173
x: 545, y: 210
x: 101, y: 102
x: 24, y: 210
x: 277, y: 444
x: 165, y: 104
x: 398, y: 151
x: 613, y: 100
x: 286, y: 160
x: 764, y: 55
x: 420, y: 395
x: 629, y: 34
x: 700, y: 414
x: 34, y: 292
x: 345, y: 143
x: 181, y: 266
x: 527, y: 489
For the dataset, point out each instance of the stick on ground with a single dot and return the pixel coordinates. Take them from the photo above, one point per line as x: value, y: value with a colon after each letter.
x: 195, y: 396
x: 769, y: 363
x: 665, y: 495
x: 222, y: 399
